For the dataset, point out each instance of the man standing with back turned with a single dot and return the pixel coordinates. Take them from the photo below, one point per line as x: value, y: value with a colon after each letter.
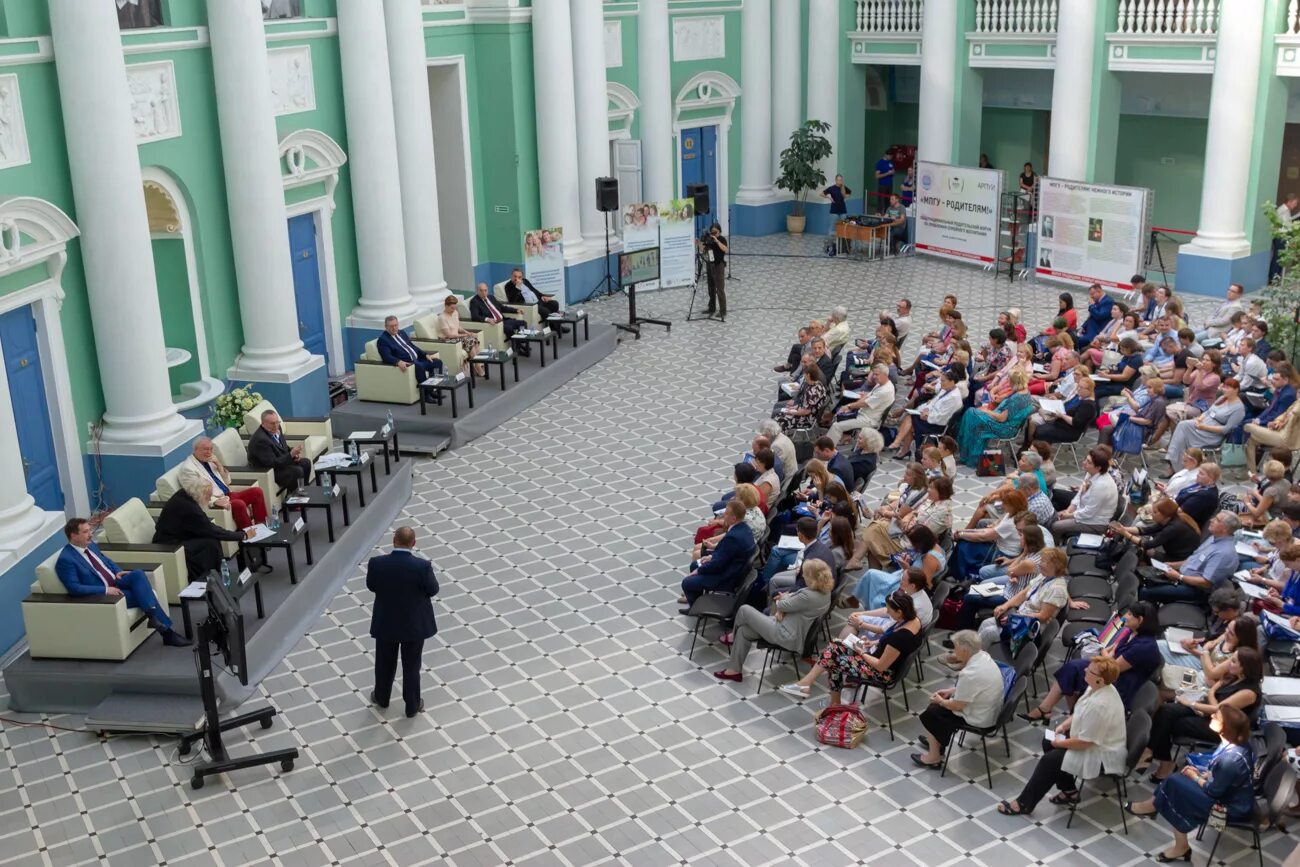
x: 402, y: 618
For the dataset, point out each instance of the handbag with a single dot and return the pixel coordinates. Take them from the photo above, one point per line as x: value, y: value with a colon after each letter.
x: 841, y: 725
x: 1111, y: 550
x: 1232, y: 455
x: 1127, y: 436
x: 991, y: 463
x: 1018, y: 630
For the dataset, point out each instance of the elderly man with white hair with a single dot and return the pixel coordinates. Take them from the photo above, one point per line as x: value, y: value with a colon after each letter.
x: 183, y: 522
x: 247, y: 505
x: 870, y: 407
x: 976, y: 700
x: 782, y: 446
x: 837, y: 331
x: 1210, y: 567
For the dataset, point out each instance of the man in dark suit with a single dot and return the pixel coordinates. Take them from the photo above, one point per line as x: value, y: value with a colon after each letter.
x: 85, y: 571
x: 483, y: 309
x: 1099, y: 304
x: 269, y: 450
x: 814, y: 549
x: 402, y: 618
x: 520, y: 291
x: 839, y: 466
x: 725, y: 567
x: 397, y: 349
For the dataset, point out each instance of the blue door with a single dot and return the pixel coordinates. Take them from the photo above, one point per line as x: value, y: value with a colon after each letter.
x: 31, y: 412
x: 700, y: 160
x: 306, y: 284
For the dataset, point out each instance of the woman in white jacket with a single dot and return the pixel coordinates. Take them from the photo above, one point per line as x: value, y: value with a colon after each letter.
x: 1091, y: 741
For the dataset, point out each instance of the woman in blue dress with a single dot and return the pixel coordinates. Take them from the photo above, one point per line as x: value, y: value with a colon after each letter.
x: 1138, y: 655
x: 876, y: 584
x: 983, y: 424
x: 1186, y: 799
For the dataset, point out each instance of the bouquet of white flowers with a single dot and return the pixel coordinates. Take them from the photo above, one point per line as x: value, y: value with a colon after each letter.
x: 231, y: 406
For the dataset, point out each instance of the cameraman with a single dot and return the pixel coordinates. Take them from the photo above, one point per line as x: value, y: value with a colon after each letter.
x: 714, y: 249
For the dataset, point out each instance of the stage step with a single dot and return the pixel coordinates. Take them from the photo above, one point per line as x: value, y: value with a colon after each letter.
x: 140, y: 713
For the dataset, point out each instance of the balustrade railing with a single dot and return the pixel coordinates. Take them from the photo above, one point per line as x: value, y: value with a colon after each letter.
x: 1172, y: 17
x: 1016, y: 16
x: 889, y: 16
x: 1293, y: 18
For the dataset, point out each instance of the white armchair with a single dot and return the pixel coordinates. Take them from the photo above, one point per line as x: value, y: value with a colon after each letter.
x: 60, y: 626
x: 230, y: 450
x: 527, y: 312
x: 450, y: 352
x: 169, y: 483
x: 315, y: 434
x: 128, y: 535
x: 384, y: 383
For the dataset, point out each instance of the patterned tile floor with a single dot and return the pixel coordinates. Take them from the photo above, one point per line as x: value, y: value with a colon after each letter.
x: 565, y: 725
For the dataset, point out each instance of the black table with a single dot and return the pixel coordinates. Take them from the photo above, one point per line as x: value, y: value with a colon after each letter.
x: 356, y: 470
x: 541, y: 338
x: 381, y: 437
x: 499, y: 357
x: 317, y: 497
x: 449, y: 384
x: 239, y: 585
x: 284, y: 538
x: 573, y: 319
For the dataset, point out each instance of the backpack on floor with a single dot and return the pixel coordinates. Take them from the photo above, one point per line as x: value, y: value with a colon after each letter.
x: 841, y: 725
x: 948, y: 612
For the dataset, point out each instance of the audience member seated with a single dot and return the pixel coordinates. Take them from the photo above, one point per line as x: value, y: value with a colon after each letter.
x: 1200, y: 499
x: 397, y: 349
x: 975, y: 700
x: 520, y: 290
x: 1225, y: 609
x: 865, y: 456
x: 1283, y: 431
x: 923, y: 552
x: 708, y: 536
x: 1011, y: 573
x: 1200, y: 388
x: 787, y: 626
x: 483, y: 309
x: 782, y: 445
x: 1080, y: 415
x: 183, y: 522
x: 1211, y: 565
x: 872, y: 622
x: 1142, y: 408
x: 876, y: 664
x: 803, y: 412
x: 1172, y: 536
x: 1186, y: 800
x: 983, y: 424
x: 837, y: 329
x: 247, y: 505
x: 867, y: 410
x: 269, y: 450
x: 1136, y: 656
x: 1000, y: 539
x: 768, y: 482
x: 1285, y: 599
x: 912, y: 489
x: 781, y: 559
x: 1094, y: 505
x: 760, y: 442
x: 1210, y: 428
x: 883, y: 539
x: 84, y: 570
x: 824, y: 450
x: 801, y: 347
x: 449, y: 327
x: 931, y: 417
x: 1091, y: 741
x: 1123, y: 373
x: 725, y: 567
x: 1042, y: 599
x: 1265, y: 502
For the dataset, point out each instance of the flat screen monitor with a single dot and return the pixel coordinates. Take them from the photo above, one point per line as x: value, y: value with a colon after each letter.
x: 639, y: 266
x: 231, y: 642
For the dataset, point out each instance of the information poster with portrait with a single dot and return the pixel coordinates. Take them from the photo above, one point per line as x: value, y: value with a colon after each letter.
x: 677, y: 243
x: 1091, y: 233
x: 544, y: 260
x: 956, y: 211
x: 641, y: 231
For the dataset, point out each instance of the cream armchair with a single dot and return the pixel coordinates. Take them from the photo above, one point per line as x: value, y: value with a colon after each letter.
x: 169, y: 483
x: 128, y: 535
x: 491, y: 335
x: 528, y: 312
x: 60, y: 626
x: 315, y: 434
x: 450, y: 352
x: 230, y: 450
x: 384, y: 383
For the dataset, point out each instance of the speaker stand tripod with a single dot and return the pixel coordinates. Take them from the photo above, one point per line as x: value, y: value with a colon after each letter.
x: 606, y: 286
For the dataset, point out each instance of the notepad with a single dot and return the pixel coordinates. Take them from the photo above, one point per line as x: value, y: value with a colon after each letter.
x: 195, y: 590
x: 361, y: 435
x: 1056, y: 407
x: 913, y: 411
x: 1251, y: 549
x: 260, y: 532
x: 988, y: 588
x: 1159, y: 565
x: 1096, y: 378
x: 790, y: 543
x: 1089, y: 540
x: 296, y: 501
x: 790, y: 388
x: 932, y: 365
x: 1176, y: 636
x: 851, y: 395
x: 1281, y: 713
x: 1281, y: 686
x: 1040, y: 368
x: 1254, y: 591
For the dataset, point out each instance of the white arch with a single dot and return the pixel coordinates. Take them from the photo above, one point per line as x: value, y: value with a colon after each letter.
x: 705, y: 90
x: 623, y: 104
x: 32, y: 230
x: 308, y: 156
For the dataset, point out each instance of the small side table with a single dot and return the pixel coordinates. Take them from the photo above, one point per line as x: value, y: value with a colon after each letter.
x: 541, y: 338
x: 285, y: 538
x: 449, y: 384
x: 381, y: 437
x: 317, y: 497
x: 573, y: 318
x: 356, y: 471
x: 499, y: 357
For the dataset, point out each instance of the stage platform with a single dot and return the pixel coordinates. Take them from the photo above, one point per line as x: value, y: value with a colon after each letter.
x: 431, y: 433
x: 156, y: 672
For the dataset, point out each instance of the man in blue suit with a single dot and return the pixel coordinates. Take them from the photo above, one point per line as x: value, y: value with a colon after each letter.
x: 397, y: 349
x: 85, y: 571
x: 1099, y: 304
x: 725, y: 567
x: 402, y: 618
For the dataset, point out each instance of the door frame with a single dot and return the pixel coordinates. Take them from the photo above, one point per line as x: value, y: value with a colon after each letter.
x: 458, y: 61
x: 710, y: 99
x: 322, y: 211
x: 721, y: 214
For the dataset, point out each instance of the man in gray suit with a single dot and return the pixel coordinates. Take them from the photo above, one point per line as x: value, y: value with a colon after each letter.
x: 793, y: 615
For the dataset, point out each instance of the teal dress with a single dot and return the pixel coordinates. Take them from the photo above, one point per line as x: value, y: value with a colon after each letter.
x: 977, y: 428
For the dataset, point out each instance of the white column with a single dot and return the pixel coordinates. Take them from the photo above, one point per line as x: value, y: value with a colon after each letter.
x: 592, y: 100
x: 655, y: 90
x: 756, y: 105
x: 824, y: 38
x: 1072, y: 86
x: 115, y: 246
x: 939, y: 40
x: 19, y: 517
x: 259, y: 230
x: 372, y: 157
x: 787, y: 75
x: 409, y: 75
x: 1233, y: 96
x: 557, y: 122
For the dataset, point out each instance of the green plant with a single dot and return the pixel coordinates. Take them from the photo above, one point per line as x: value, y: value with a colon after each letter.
x: 1280, y: 300
x: 800, y: 162
x: 230, y: 407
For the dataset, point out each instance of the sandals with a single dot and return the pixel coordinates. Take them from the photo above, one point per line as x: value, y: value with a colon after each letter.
x: 1128, y: 808
x: 796, y: 690
x: 918, y: 759
x: 1005, y: 808
x: 1041, y: 715
x: 1065, y: 799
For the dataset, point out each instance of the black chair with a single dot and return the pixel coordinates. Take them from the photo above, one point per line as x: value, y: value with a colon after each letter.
x: 1184, y: 615
x: 1138, y: 729
x: 1004, y: 717
x: 1091, y: 587
x: 899, y: 683
x: 1269, y: 806
x: 774, y: 652
x: 1022, y: 664
x: 721, y: 606
x: 1147, y: 698
x: 1046, y: 636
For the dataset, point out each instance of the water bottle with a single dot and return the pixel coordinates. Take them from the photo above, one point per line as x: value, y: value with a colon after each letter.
x: 325, y: 481
x: 353, y: 452
x: 388, y: 427
x: 225, y: 572
x: 273, y: 522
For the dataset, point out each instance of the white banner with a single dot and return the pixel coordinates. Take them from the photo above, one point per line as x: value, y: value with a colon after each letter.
x: 544, y: 260
x: 957, y: 211
x: 1090, y: 233
x: 676, y: 243
x: 641, y: 231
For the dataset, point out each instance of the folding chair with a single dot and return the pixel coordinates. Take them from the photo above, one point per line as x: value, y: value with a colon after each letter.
x: 1138, y: 728
x: 1004, y: 717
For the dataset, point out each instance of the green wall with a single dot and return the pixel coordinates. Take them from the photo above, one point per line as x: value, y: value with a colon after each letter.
x: 176, y: 307
x: 1013, y: 136
x: 1143, y: 143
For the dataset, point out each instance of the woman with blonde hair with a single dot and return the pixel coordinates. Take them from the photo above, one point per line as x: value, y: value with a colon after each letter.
x: 1265, y: 502
x: 793, y: 614
x: 983, y: 424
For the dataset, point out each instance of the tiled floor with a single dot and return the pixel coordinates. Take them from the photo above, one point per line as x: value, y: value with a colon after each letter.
x: 565, y: 725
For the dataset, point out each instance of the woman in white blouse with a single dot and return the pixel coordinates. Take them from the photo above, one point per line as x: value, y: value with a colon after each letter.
x: 448, y: 325
x: 1090, y: 742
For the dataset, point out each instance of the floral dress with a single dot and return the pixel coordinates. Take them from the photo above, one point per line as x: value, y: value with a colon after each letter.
x: 842, y: 664
x: 813, y: 397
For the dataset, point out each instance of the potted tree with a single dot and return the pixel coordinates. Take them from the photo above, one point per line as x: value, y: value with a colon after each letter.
x: 801, y: 169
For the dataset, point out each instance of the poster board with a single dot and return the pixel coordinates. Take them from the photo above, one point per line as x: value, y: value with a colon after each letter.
x: 957, y: 212
x: 641, y: 231
x: 676, y: 243
x: 544, y: 260
x: 1091, y: 233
